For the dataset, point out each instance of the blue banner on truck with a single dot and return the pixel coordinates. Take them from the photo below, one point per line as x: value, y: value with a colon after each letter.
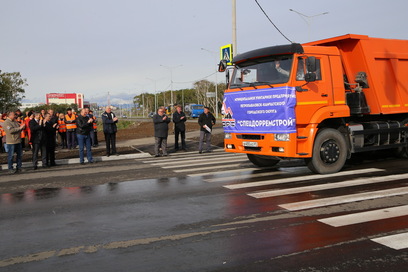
x: 269, y: 110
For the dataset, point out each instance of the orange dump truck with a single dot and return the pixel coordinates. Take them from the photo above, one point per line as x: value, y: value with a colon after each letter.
x: 321, y: 101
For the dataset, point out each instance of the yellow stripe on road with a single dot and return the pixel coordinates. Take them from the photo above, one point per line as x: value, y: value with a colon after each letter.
x: 40, y: 256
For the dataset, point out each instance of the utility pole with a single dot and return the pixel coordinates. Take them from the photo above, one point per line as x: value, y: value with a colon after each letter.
x: 216, y: 81
x: 308, y: 19
x: 234, y: 27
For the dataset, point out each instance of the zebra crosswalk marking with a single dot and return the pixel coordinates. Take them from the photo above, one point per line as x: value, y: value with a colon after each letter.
x: 347, y: 183
x: 396, y: 241
x: 209, y: 168
x: 245, y: 176
x: 329, y: 201
x: 223, y: 161
x: 160, y: 160
x: 245, y: 169
x: 362, y: 217
x: 303, y: 178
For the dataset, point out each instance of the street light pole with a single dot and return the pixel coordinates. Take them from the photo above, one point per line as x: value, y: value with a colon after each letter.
x: 216, y: 81
x: 155, y: 92
x: 308, y: 19
x: 234, y: 27
x: 171, y: 80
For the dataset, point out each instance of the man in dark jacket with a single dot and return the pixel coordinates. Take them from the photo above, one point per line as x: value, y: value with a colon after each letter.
x: 161, y: 131
x: 38, y: 140
x: 53, y: 117
x: 84, y: 126
x: 51, y: 127
x: 206, y: 120
x: 109, y: 121
x: 179, y: 119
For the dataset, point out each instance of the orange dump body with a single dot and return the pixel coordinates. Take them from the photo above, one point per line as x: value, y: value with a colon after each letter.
x: 385, y: 62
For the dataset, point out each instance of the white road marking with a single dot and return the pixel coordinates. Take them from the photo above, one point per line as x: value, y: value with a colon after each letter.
x: 245, y: 176
x: 329, y: 201
x: 210, y: 168
x: 348, y: 183
x: 362, y: 217
x: 303, y: 178
x: 197, y: 159
x: 198, y: 156
x: 189, y: 165
x: 196, y: 152
x: 228, y: 171
x: 397, y: 241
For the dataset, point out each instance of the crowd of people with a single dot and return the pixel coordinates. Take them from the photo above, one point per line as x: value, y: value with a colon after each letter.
x: 161, y: 129
x: 41, y: 132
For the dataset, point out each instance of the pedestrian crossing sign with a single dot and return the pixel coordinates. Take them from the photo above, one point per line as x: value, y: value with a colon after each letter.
x: 226, y: 53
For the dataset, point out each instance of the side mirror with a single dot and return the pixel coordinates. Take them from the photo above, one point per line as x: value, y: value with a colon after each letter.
x: 311, y: 64
x: 310, y: 77
x: 222, y: 66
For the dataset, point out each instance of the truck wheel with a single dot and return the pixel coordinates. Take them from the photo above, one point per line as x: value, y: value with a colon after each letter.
x: 329, y: 152
x: 402, y: 152
x: 263, y: 161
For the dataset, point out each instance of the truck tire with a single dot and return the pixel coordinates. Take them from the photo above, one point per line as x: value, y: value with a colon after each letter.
x: 263, y: 161
x: 329, y: 152
x: 402, y: 152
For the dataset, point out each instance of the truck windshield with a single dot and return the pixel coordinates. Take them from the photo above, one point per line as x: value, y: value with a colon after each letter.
x: 197, y: 107
x: 272, y: 70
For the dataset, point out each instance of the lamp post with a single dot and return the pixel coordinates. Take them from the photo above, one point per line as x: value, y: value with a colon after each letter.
x: 171, y: 79
x: 308, y: 19
x: 234, y: 27
x: 155, y: 92
x: 216, y: 80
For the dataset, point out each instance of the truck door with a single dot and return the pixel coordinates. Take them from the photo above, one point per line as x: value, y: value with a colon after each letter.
x: 314, y: 95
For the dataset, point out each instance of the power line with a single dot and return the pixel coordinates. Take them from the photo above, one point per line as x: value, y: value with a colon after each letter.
x: 272, y: 22
x: 196, y: 79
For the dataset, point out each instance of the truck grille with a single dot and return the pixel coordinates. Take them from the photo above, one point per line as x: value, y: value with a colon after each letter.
x: 250, y: 137
x: 247, y: 148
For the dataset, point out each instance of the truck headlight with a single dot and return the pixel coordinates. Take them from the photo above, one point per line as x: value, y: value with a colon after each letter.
x: 227, y: 136
x: 282, y: 137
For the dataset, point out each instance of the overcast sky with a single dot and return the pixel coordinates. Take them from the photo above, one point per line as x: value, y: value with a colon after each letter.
x: 96, y: 46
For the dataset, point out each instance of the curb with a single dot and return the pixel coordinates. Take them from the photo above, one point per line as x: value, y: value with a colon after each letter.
x: 76, y: 160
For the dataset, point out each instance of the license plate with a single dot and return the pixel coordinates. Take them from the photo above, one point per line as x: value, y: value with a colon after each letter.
x: 250, y: 144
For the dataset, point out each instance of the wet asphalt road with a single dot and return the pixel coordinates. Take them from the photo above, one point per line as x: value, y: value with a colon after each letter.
x: 209, y: 212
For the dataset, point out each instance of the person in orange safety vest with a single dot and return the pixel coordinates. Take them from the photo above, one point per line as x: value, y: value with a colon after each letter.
x: 70, y: 121
x: 62, y: 130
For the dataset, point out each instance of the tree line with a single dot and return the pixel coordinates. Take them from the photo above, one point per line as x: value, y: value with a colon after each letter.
x: 195, y: 95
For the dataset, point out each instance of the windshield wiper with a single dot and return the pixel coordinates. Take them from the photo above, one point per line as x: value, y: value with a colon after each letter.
x: 253, y: 84
x: 236, y: 86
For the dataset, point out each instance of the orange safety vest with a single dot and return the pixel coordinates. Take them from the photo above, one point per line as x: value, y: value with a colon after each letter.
x: 2, y: 131
x: 95, y: 126
x: 23, y: 132
x: 62, y: 127
x: 72, y: 118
